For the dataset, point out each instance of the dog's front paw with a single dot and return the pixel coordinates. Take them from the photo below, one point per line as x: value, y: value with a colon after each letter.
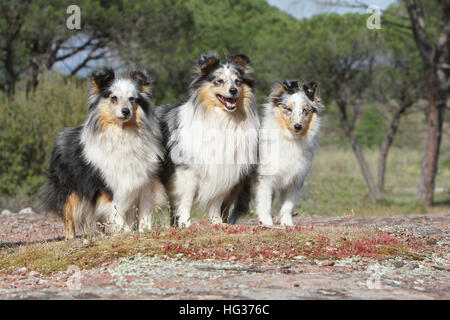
x: 145, y: 227
x: 286, y: 220
x: 117, y: 228
x: 266, y: 221
x: 215, y: 220
x: 184, y: 223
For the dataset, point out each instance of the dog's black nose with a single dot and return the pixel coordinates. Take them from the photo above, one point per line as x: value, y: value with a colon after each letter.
x: 126, y: 112
x: 233, y: 90
x: 298, y: 126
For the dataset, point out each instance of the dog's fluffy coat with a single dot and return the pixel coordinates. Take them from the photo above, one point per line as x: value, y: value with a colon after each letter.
x: 211, y: 139
x: 109, y: 164
x: 288, y: 141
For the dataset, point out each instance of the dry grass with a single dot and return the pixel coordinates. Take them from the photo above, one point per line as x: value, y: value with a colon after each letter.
x: 336, y: 187
x: 241, y: 243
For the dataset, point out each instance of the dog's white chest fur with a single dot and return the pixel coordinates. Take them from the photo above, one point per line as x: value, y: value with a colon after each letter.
x: 219, y: 149
x: 287, y: 159
x: 124, y: 158
x: 285, y: 162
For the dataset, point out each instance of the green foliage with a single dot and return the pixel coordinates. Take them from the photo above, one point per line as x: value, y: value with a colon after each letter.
x: 28, y: 129
x: 335, y: 186
x: 34, y: 36
x: 168, y: 46
x: 446, y: 163
x: 371, y: 128
x: 156, y: 35
x: 336, y: 50
x: 165, y: 37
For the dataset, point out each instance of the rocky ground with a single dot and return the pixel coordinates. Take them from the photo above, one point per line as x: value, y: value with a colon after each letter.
x: 143, y: 276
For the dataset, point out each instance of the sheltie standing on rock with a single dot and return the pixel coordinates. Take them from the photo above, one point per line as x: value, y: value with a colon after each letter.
x: 211, y: 140
x: 288, y: 140
x: 105, y: 171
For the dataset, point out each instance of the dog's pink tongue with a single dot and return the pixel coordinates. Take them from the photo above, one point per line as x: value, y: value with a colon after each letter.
x: 230, y: 103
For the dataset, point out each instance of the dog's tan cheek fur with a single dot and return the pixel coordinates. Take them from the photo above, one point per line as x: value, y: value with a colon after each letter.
x: 286, y: 122
x: 244, y: 102
x: 106, y: 116
x: 283, y: 120
x: 136, y: 121
x: 138, y: 115
x: 245, y: 99
x: 308, y: 123
x: 208, y: 98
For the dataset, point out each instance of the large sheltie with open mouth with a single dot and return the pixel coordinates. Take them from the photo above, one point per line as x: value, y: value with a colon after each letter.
x: 211, y: 139
x: 288, y: 141
x: 100, y: 170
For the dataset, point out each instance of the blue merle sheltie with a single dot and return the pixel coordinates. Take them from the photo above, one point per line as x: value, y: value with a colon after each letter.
x: 287, y: 143
x: 211, y: 139
x: 105, y: 172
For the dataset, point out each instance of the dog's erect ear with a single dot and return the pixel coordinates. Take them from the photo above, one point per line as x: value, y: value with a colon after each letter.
x: 207, y: 62
x: 240, y: 59
x: 312, y: 93
x: 285, y: 87
x: 143, y: 80
x: 291, y: 86
x: 310, y: 90
x: 276, y: 96
x: 101, y: 79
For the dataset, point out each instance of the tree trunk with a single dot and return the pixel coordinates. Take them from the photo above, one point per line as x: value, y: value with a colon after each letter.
x: 437, y: 103
x: 10, y: 75
x: 356, y: 147
x: 33, y: 79
x: 387, y: 143
x: 437, y: 60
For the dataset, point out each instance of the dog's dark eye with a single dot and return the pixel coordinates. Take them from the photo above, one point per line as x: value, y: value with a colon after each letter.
x: 286, y: 109
x: 238, y: 82
x: 219, y: 82
x: 305, y: 112
x: 132, y: 99
x: 113, y: 99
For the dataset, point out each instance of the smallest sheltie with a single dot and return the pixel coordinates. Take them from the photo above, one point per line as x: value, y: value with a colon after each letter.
x: 106, y: 170
x: 288, y: 140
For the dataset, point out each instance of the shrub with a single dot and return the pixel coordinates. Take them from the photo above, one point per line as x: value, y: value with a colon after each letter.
x: 29, y: 127
x: 371, y: 128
